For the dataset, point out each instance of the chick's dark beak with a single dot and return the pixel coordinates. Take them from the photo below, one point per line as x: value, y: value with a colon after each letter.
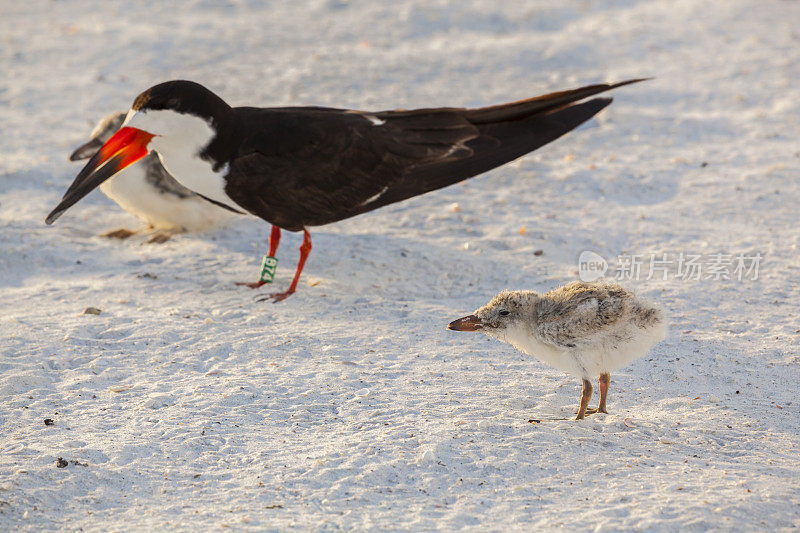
x: 467, y: 323
x: 85, y: 151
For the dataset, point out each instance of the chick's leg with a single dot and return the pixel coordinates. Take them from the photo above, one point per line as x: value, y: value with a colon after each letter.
x: 586, y: 395
x: 605, y: 382
x: 605, y: 379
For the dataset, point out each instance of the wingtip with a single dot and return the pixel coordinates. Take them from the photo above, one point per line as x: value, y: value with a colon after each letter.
x: 606, y: 101
x: 628, y: 82
x: 597, y: 103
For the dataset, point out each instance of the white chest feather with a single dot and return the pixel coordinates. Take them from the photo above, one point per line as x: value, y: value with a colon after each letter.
x: 164, y: 211
x: 604, y: 351
x: 179, y: 140
x: 522, y: 339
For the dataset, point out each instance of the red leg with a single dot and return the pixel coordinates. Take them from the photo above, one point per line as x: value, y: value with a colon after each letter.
x: 305, y: 249
x: 274, y: 240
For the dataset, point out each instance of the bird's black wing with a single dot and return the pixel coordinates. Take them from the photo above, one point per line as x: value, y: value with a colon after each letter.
x: 299, y: 167
x: 303, y: 167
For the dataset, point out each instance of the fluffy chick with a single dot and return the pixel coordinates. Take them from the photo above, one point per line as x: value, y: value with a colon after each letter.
x: 584, y: 329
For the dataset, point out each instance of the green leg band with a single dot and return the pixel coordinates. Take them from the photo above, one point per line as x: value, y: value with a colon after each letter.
x: 268, y: 268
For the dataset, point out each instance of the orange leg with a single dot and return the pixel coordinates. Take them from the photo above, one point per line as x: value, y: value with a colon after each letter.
x: 305, y: 249
x: 586, y: 395
x: 121, y: 233
x: 605, y: 380
x: 274, y: 240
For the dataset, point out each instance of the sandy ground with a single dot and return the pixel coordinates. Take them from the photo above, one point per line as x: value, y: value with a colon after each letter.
x: 186, y: 404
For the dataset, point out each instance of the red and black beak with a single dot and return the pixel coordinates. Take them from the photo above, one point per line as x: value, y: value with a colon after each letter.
x: 126, y: 147
x: 467, y: 323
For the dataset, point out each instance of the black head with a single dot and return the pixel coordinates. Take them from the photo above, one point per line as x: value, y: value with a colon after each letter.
x: 185, y: 97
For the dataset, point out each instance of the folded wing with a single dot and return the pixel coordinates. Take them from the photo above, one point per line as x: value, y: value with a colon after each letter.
x: 309, y: 166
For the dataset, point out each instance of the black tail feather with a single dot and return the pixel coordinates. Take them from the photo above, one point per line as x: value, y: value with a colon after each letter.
x: 539, y: 104
x: 489, y: 137
x: 501, y: 142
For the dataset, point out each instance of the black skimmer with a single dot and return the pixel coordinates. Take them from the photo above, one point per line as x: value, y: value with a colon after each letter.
x: 146, y: 189
x: 584, y: 329
x: 298, y: 167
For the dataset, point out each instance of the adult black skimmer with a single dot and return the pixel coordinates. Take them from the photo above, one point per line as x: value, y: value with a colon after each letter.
x: 297, y: 167
x: 146, y: 189
x: 584, y: 329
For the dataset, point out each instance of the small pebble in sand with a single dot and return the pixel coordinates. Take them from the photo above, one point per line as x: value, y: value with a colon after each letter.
x: 91, y: 311
x: 48, y: 422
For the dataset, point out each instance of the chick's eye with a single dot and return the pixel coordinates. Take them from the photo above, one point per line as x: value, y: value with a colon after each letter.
x: 503, y: 313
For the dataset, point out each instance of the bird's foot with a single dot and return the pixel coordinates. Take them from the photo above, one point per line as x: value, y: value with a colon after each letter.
x: 276, y: 296
x: 254, y: 285
x: 592, y: 411
x: 159, y: 237
x: 121, y: 233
